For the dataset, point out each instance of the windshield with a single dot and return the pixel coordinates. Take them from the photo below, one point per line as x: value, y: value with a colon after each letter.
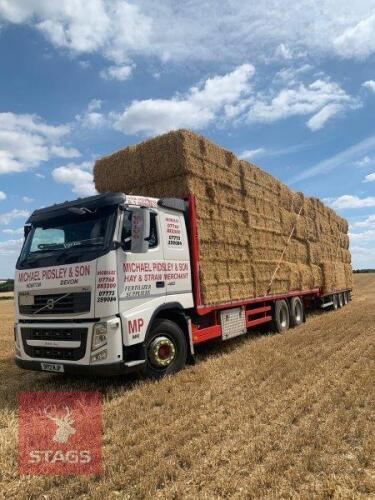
x: 57, y: 241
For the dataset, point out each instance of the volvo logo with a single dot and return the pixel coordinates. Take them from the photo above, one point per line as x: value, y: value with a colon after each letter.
x: 50, y: 304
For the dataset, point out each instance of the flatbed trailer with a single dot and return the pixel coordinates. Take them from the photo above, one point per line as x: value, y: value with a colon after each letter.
x: 208, y: 319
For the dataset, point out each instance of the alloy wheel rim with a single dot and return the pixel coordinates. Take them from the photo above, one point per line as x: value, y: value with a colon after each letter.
x: 162, y: 351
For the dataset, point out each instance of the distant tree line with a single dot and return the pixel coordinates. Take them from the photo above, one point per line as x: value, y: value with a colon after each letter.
x: 363, y: 270
x: 7, y: 286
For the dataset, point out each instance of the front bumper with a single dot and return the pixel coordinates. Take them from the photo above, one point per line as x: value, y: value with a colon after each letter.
x: 103, y: 370
x: 54, y: 340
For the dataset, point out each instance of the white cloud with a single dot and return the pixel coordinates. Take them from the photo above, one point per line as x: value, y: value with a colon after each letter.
x: 370, y: 84
x: 200, y: 106
x: 3, y: 196
x: 317, y: 121
x: 40, y: 176
x: 283, y: 52
x: 322, y: 98
x: 7, y: 217
x: 27, y: 199
x: 362, y: 256
x: 78, y: 176
x: 64, y: 152
x: 120, y: 73
x: 26, y: 141
x: 364, y: 236
x: 114, y: 28
x: 84, y: 64
x: 352, y: 201
x: 250, y: 154
x: 357, y: 41
x: 231, y: 97
x: 341, y: 159
x: 13, y: 231
x: 366, y: 160
x: 180, y: 30
x: 370, y: 177
x: 10, y: 247
x: 92, y: 118
x: 368, y: 222
x: 290, y: 74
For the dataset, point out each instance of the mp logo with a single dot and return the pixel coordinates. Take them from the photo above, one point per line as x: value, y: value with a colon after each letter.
x: 60, y: 433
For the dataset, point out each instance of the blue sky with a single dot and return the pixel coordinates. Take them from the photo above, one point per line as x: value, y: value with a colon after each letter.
x: 288, y: 85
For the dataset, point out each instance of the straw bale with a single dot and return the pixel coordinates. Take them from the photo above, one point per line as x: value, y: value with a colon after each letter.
x: 249, y: 223
x: 334, y: 276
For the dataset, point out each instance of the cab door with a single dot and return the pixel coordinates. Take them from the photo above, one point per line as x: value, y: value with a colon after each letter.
x: 140, y: 275
x: 176, y: 254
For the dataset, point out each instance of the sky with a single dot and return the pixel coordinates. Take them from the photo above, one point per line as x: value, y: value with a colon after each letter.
x: 287, y: 85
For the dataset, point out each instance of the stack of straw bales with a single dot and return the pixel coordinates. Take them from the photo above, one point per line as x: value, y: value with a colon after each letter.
x: 256, y: 236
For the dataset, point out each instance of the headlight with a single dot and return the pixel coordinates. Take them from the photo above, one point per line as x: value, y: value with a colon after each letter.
x: 100, y: 356
x: 99, y: 336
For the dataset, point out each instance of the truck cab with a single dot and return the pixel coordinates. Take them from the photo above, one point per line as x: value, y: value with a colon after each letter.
x: 103, y: 286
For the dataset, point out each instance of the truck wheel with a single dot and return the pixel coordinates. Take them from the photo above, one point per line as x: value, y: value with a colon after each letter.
x: 340, y: 300
x: 296, y: 311
x: 281, y: 316
x: 166, y: 349
x: 335, y: 301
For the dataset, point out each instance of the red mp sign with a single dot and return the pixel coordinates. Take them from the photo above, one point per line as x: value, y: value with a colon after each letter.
x: 60, y: 433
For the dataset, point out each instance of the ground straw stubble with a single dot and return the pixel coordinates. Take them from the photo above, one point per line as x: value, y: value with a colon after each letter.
x: 282, y: 416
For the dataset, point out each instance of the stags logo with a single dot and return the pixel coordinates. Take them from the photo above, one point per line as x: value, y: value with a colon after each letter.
x: 64, y: 426
x: 59, y: 433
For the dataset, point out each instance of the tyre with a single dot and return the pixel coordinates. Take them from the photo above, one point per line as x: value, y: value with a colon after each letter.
x: 340, y: 300
x: 281, y: 316
x: 346, y: 298
x: 166, y: 349
x: 296, y: 311
x: 335, y: 302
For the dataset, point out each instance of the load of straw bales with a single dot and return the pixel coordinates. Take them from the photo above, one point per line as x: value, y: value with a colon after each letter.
x: 256, y: 236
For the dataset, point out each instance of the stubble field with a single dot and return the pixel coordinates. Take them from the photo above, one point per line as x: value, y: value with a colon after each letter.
x: 271, y: 416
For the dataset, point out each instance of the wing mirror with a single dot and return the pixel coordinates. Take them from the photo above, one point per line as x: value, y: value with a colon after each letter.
x: 26, y: 230
x: 140, y: 230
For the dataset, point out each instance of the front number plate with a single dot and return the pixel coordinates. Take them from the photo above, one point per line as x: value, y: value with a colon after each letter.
x: 52, y: 367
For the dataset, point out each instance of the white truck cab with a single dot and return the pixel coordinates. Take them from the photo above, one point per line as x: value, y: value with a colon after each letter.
x: 103, y: 286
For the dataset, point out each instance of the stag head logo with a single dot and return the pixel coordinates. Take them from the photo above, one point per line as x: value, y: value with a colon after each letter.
x: 64, y: 425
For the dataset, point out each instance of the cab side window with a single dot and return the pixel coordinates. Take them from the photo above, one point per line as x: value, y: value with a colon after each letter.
x: 126, y: 236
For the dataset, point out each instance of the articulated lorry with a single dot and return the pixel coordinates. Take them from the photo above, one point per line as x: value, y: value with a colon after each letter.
x: 111, y: 283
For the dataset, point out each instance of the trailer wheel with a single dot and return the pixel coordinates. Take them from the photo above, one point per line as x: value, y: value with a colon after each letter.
x: 166, y: 349
x: 335, y: 302
x: 296, y: 311
x: 281, y: 316
x: 346, y: 298
x: 340, y: 300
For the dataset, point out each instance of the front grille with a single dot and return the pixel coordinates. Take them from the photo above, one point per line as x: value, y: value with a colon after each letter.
x: 61, y: 303
x: 55, y: 334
